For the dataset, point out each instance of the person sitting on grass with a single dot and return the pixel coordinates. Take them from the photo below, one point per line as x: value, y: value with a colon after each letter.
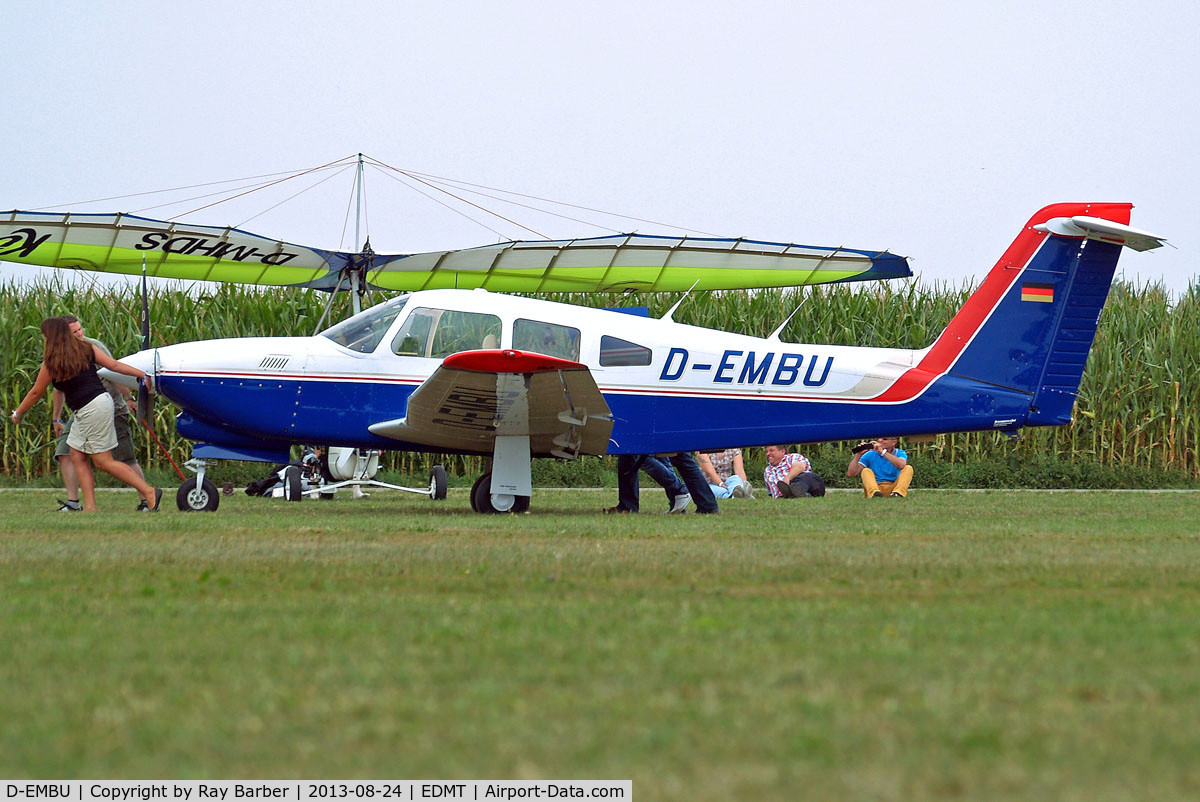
x: 883, y: 467
x: 790, y: 475
x: 725, y: 473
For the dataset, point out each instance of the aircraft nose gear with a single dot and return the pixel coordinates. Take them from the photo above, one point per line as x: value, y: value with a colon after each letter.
x: 197, y: 494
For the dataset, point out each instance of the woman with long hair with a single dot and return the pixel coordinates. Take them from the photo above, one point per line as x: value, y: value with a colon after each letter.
x: 69, y: 363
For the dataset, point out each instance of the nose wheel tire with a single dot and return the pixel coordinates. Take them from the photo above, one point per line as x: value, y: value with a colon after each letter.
x: 483, y: 500
x: 197, y: 497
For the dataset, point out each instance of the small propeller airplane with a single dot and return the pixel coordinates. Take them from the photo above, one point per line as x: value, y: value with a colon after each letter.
x: 473, y: 371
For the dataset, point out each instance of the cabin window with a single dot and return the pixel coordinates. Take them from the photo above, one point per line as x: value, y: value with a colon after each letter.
x: 546, y: 338
x: 442, y: 332
x: 413, y: 337
x: 365, y: 331
x: 615, y: 353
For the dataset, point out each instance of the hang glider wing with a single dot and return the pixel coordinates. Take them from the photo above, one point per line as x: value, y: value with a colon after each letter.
x: 118, y: 243
x: 635, y: 262
x: 475, y: 396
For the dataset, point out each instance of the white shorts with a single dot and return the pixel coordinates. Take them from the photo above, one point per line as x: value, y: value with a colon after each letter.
x: 92, y: 431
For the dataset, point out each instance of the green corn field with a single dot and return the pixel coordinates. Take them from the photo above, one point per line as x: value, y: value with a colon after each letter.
x: 1138, y: 407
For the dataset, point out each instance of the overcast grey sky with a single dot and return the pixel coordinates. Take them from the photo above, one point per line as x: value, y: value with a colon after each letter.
x: 932, y: 129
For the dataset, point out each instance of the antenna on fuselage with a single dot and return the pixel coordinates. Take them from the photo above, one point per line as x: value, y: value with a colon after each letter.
x: 669, y: 316
x: 774, y: 336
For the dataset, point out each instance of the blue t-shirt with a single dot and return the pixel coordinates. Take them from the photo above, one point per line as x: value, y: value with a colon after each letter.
x: 884, y: 470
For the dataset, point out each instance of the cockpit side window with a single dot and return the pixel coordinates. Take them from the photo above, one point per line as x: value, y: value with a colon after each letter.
x: 463, y: 331
x: 546, y: 338
x: 365, y: 331
x: 413, y: 337
x: 441, y: 332
x: 615, y: 352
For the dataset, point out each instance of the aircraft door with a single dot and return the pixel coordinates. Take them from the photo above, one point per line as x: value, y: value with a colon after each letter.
x: 627, y: 365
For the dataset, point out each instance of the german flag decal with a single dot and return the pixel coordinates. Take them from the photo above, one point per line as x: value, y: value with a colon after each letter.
x: 1041, y: 293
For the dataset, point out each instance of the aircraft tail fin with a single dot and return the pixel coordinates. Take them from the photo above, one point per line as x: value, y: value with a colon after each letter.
x: 1030, y: 325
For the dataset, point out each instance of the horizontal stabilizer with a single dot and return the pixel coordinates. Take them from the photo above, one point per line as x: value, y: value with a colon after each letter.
x: 1102, y: 230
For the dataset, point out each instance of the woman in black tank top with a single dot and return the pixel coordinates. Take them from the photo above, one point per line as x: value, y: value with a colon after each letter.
x: 69, y: 362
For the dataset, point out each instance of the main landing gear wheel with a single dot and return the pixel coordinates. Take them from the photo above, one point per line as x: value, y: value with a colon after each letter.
x: 483, y: 501
x: 475, y: 491
x: 197, y: 497
x: 291, y: 484
x: 437, y: 483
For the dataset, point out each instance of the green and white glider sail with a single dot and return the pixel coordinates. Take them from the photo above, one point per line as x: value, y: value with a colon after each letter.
x: 636, y: 262
x: 118, y: 243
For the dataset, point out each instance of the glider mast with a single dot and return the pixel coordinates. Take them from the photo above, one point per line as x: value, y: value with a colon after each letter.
x: 355, y: 272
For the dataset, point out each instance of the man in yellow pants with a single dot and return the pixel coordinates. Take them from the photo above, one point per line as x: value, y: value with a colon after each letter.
x: 884, y: 468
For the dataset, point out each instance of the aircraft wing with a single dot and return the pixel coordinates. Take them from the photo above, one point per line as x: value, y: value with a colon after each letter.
x: 118, y: 243
x: 638, y: 262
x: 475, y: 396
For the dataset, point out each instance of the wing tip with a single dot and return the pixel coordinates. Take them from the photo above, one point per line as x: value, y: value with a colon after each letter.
x: 508, y: 360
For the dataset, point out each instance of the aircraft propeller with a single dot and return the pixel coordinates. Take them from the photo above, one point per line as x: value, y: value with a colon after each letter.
x: 145, y: 401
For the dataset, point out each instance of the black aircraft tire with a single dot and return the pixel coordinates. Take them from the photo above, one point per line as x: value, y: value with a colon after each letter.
x: 291, y: 484
x: 481, y: 498
x: 481, y: 490
x: 437, y: 481
x: 191, y: 498
x: 484, y: 479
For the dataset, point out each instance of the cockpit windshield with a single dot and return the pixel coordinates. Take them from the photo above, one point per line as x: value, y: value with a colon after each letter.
x: 364, y: 331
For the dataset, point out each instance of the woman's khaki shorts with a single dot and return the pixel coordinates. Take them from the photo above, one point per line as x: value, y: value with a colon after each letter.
x: 92, y: 430
x: 124, y: 452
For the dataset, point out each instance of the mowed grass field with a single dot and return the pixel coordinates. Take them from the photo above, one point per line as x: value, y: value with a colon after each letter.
x: 955, y: 645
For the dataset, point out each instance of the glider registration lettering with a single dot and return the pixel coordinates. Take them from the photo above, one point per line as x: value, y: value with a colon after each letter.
x: 203, y: 246
x: 21, y: 242
x: 748, y: 367
x: 24, y: 241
